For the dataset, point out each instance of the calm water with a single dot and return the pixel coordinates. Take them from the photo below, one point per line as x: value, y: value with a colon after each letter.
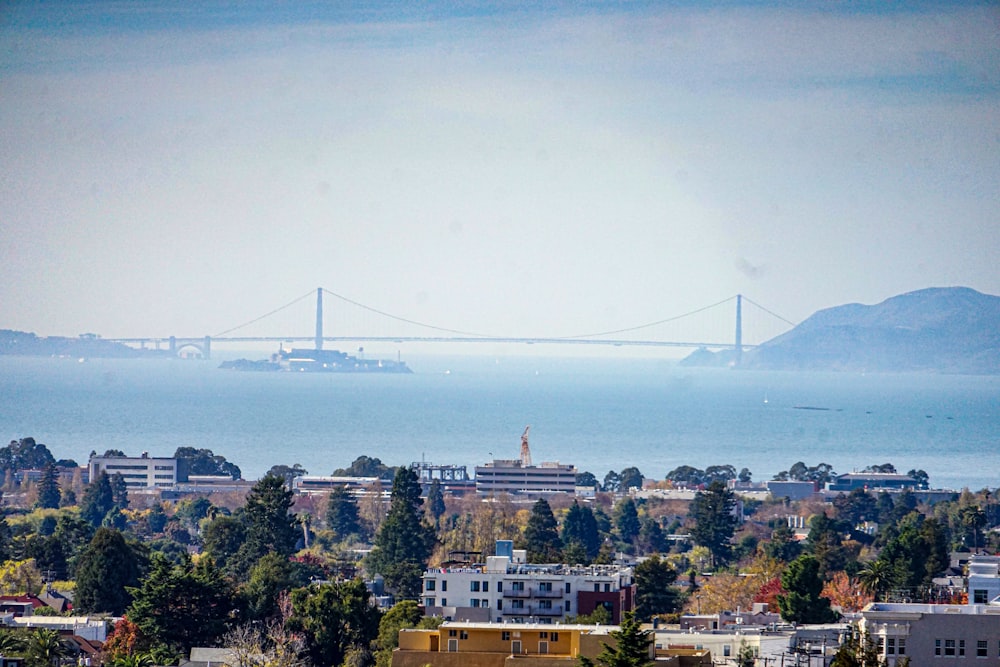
x: 597, y: 414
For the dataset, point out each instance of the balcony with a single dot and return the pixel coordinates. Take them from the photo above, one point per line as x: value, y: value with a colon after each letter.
x: 526, y: 593
x: 538, y: 593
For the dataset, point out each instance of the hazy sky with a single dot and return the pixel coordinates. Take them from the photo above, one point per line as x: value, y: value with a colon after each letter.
x: 486, y: 167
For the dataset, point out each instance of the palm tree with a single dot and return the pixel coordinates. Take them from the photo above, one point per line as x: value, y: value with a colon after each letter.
x: 10, y: 644
x: 46, y: 649
x: 875, y: 578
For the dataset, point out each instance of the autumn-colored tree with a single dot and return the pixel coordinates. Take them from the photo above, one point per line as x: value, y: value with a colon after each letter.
x: 124, y: 640
x: 769, y: 592
x: 18, y: 577
x: 845, y: 593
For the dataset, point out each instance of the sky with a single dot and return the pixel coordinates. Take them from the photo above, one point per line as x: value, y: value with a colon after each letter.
x: 523, y: 169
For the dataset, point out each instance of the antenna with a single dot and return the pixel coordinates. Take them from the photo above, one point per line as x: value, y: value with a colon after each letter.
x: 525, y: 450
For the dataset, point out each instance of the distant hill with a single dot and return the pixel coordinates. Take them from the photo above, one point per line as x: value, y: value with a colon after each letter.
x: 940, y: 329
x: 22, y: 343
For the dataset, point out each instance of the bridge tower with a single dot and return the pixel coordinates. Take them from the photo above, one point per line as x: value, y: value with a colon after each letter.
x: 739, y: 329
x: 319, y: 318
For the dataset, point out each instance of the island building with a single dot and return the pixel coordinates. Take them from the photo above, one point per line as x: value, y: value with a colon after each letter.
x: 519, y: 476
x: 506, y: 589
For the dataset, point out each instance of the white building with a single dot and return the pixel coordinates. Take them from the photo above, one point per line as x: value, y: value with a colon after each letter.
x: 506, y: 589
x: 140, y: 472
x: 984, y: 580
x: 512, y: 476
x: 725, y: 645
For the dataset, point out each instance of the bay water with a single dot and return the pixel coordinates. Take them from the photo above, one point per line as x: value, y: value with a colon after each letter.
x: 599, y: 414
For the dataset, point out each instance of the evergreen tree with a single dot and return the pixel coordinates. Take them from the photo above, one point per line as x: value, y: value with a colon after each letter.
x: 826, y: 543
x: 651, y: 537
x: 97, y: 500
x: 106, y: 567
x: 119, y: 491
x: 629, y: 478
x: 627, y: 520
x: 713, y: 511
x: 580, y: 528
x: 222, y: 539
x: 404, y: 614
x: 180, y: 606
x: 342, y: 513
x: 435, y: 500
x: 802, y: 603
x: 270, y: 576
x: 268, y: 524
x: 404, y: 542
x: 631, y: 646
x: 655, y: 593
x: 48, y: 487
x: 334, y: 618
x: 541, y: 535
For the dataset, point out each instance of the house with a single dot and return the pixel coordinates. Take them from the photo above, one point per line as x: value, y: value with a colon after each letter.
x: 984, y: 580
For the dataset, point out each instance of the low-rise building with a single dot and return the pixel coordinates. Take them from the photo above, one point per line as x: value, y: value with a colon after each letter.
x: 506, y: 589
x: 461, y: 644
x: 512, y: 476
x: 984, y: 580
x: 929, y: 633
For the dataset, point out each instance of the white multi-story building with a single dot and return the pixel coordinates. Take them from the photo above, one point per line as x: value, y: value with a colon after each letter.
x: 513, y: 476
x: 508, y: 589
x: 141, y: 472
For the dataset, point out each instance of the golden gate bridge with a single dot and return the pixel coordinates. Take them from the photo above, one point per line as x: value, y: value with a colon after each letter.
x: 628, y: 336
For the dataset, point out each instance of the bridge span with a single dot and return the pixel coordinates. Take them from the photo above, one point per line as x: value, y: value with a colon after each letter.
x: 202, y: 346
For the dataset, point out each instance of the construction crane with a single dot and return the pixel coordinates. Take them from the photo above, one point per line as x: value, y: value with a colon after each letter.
x: 525, y: 450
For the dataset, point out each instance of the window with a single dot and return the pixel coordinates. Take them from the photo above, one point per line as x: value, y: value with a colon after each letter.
x: 474, y: 587
x: 901, y: 646
x: 607, y: 588
x: 429, y: 584
x: 727, y: 650
x: 545, y: 586
x: 879, y: 645
x: 428, y: 602
x: 505, y: 636
x: 949, y: 647
x: 566, y: 608
x: 444, y: 602
x: 499, y: 605
x: 979, y: 596
x: 475, y: 603
x: 486, y: 587
x: 553, y: 636
x: 567, y: 587
x: 517, y: 604
x: 543, y: 635
x: 937, y: 647
x: 890, y: 646
x: 463, y: 635
x: 545, y: 604
x: 499, y: 587
x: 453, y: 633
x: 444, y: 585
x: 982, y: 649
x: 597, y: 588
x: 961, y: 647
x: 517, y: 586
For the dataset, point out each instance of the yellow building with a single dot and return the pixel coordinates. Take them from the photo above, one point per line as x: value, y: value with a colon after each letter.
x: 464, y: 644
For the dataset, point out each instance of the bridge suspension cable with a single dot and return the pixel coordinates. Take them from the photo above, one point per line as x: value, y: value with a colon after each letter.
x: 769, y: 312
x: 403, y: 319
x: 653, y: 324
x: 266, y: 315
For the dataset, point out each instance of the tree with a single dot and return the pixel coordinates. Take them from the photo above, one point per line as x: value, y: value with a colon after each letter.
x: 541, y: 535
x: 404, y: 542
x: 288, y: 473
x: 222, y: 539
x: 629, y: 478
x: 45, y: 648
x: 580, y: 528
x: 612, y: 482
x: 333, y: 618
x: 435, y: 500
x: 269, y: 577
x: 48, y: 487
x: 655, y: 593
x: 24, y: 454
x: 205, y: 462
x: 20, y: 577
x: 651, y: 537
x: 858, y: 650
x: 365, y: 466
x: 105, y: 569
x: 713, y: 512
x: 631, y: 646
x: 404, y: 614
x: 269, y: 525
x: 803, y: 601
x: 98, y: 500
x: 119, y: 491
x: 587, y: 479
x: 627, y: 520
x: 180, y: 606
x: 342, y: 513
